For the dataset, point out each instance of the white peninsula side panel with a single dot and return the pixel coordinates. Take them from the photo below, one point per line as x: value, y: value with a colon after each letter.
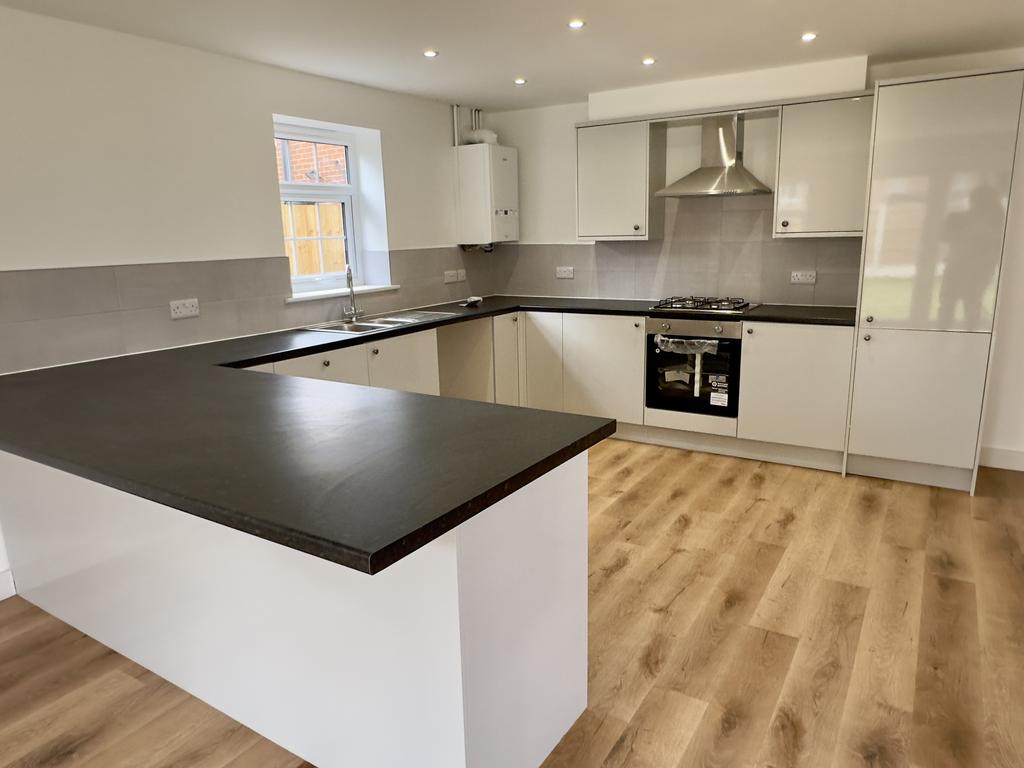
x: 471, y: 651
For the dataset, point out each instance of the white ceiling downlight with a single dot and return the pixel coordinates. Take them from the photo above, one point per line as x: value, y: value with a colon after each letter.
x: 430, y: 53
x: 808, y: 36
x: 577, y: 24
x: 519, y: 82
x: 648, y: 61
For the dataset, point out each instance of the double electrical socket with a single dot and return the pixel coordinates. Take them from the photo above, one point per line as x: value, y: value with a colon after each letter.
x: 565, y: 273
x: 182, y: 308
x: 455, y: 275
x: 803, y: 277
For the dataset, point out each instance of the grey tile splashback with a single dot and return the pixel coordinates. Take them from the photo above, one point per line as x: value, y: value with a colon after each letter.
x: 53, y: 316
x: 712, y: 246
x: 724, y: 247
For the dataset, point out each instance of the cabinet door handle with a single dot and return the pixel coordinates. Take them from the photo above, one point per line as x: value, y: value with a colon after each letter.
x: 327, y: 363
x: 785, y: 222
x: 870, y: 318
x: 375, y: 351
x: 515, y: 319
x: 867, y: 337
x: 750, y: 331
x: 636, y: 325
x: 636, y: 227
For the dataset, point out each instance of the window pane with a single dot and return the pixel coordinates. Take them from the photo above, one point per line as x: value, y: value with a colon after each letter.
x: 330, y: 219
x: 307, y: 257
x: 286, y: 220
x: 332, y: 163
x: 334, y: 254
x: 304, y: 215
x: 278, y: 147
x: 289, y: 251
x: 306, y: 162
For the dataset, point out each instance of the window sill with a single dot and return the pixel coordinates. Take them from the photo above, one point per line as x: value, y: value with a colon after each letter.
x: 335, y: 293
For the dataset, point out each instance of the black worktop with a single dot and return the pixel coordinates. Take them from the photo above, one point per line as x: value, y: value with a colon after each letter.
x: 356, y: 475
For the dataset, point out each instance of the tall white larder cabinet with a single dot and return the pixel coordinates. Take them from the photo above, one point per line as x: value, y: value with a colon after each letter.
x: 943, y: 157
x: 487, y: 194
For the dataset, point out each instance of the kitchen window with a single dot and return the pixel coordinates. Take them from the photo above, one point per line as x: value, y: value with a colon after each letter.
x: 316, y: 174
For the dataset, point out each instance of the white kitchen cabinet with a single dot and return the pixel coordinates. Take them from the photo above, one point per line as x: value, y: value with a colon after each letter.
x: 823, y: 168
x: 408, y: 363
x: 614, y: 180
x: 506, y: 359
x: 940, y: 180
x: 795, y: 384
x: 487, y: 194
x: 465, y: 358
x: 347, y: 365
x: 540, y: 360
x: 603, y: 366
x: 917, y: 396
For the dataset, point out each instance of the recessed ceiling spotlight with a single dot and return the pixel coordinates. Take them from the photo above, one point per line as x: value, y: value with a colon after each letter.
x: 520, y: 81
x: 577, y: 24
x: 430, y: 53
x: 808, y: 36
x: 648, y: 61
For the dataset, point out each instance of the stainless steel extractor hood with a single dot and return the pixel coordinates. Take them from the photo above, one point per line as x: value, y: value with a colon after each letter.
x: 721, y: 169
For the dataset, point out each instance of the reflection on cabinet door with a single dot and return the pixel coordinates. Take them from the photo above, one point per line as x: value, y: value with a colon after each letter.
x: 823, y: 167
x: 541, y: 359
x: 506, y: 359
x: 408, y: 363
x: 347, y: 365
x: 603, y: 358
x: 794, y: 384
x: 943, y: 156
x: 917, y: 396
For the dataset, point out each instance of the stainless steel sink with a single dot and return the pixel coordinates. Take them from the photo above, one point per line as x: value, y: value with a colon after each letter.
x: 382, y: 323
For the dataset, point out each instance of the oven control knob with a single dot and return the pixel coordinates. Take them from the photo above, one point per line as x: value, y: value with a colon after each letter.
x: 666, y: 326
x: 718, y: 329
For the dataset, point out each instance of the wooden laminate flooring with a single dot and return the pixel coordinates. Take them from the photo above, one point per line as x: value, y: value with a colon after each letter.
x: 742, y: 614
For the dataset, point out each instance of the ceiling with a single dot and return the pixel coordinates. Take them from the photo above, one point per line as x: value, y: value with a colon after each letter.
x: 485, y: 44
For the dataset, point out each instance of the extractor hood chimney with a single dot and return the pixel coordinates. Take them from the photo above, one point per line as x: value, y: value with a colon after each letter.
x: 721, y: 169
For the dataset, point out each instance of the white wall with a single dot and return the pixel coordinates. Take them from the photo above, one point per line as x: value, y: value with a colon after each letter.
x: 119, y: 149
x: 546, y: 140
x: 750, y: 87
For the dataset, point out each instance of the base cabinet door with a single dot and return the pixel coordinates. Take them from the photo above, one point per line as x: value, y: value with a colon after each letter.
x: 795, y: 384
x: 408, y: 363
x: 540, y: 360
x: 603, y: 359
x: 506, y: 359
x: 347, y: 365
x: 917, y: 396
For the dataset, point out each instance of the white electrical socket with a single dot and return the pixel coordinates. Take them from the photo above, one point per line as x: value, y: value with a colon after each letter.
x: 451, y: 276
x: 565, y: 273
x: 462, y: 275
x: 182, y: 308
x: 803, y: 277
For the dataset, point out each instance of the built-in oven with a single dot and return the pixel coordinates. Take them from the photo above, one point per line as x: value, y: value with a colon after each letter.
x: 693, y: 366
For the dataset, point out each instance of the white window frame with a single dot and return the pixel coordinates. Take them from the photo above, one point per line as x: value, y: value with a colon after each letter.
x: 346, y: 194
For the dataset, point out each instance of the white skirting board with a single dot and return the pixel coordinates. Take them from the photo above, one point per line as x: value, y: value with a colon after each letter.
x: 471, y: 651
x: 1002, y: 458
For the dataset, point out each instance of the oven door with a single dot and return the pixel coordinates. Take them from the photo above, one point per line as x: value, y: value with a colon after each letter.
x: 695, y: 373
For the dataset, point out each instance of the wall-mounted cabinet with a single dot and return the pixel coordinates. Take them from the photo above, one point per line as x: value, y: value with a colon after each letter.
x: 822, y: 176
x: 617, y: 173
x: 487, y: 194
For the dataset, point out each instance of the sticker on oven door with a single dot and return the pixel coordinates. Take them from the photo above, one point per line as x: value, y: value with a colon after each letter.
x: 720, y: 398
